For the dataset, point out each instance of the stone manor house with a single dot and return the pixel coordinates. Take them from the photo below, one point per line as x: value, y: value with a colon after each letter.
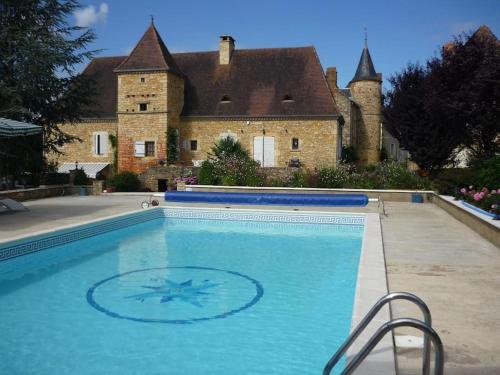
x: 277, y: 102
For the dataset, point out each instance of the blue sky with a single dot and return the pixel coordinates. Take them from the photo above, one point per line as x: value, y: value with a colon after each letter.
x: 399, y: 31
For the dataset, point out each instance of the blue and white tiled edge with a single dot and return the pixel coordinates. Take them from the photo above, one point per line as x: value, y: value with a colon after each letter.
x: 43, y: 240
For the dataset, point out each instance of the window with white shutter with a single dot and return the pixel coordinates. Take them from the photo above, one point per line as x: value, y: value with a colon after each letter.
x: 100, y: 143
x: 140, y: 149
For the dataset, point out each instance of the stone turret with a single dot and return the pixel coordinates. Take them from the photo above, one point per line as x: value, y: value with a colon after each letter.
x: 366, y: 90
x: 150, y: 100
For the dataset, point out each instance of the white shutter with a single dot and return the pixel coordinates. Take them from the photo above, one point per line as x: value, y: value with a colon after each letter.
x: 140, y: 149
x: 268, y: 151
x: 258, y: 149
x: 104, y: 143
x: 94, y: 143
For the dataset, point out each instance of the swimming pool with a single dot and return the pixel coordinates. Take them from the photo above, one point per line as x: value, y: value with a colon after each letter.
x: 181, y: 291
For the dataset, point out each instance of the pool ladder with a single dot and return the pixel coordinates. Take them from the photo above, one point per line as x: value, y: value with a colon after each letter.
x: 426, y: 327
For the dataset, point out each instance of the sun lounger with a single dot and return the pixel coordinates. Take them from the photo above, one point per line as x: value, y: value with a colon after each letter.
x: 10, y: 205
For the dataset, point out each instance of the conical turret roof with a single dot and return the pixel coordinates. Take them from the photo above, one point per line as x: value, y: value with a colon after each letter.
x: 149, y: 54
x: 366, y: 70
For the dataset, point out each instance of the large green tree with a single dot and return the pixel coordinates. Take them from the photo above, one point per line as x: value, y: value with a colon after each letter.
x: 450, y: 103
x: 40, y: 52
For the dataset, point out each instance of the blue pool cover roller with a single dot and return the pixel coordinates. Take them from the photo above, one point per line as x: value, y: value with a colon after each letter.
x: 284, y: 199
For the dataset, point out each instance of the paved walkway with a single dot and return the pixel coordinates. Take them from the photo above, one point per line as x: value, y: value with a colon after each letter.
x: 456, y: 272
x: 427, y: 252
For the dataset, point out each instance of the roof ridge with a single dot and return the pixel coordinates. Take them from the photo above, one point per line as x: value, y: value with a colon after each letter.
x: 246, y: 49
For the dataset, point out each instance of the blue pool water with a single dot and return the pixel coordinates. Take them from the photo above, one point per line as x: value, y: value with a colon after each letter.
x: 182, y: 296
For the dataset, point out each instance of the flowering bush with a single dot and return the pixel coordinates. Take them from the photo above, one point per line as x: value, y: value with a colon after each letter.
x: 230, y: 164
x: 193, y: 180
x: 485, y: 199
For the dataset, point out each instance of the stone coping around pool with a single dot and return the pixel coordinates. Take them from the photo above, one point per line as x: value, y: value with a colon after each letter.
x: 478, y: 222
x: 370, y: 287
x: 22, y: 245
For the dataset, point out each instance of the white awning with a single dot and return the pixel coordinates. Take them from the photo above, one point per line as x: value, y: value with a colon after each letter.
x: 90, y: 169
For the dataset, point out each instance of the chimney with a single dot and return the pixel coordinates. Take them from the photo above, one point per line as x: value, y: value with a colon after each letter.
x: 226, y: 48
x: 331, y: 77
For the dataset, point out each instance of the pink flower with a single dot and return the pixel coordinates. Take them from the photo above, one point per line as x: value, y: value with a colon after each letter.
x: 493, y: 192
x: 463, y: 190
x: 478, y: 196
x: 485, y: 189
x: 494, y: 206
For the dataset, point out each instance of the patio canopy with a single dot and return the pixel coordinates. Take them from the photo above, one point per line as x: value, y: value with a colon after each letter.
x: 90, y: 169
x: 10, y: 128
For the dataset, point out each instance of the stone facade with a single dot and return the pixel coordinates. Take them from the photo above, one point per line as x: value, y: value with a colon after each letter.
x: 84, y: 151
x: 162, y: 94
x: 317, y: 138
x: 368, y: 96
x: 150, y: 91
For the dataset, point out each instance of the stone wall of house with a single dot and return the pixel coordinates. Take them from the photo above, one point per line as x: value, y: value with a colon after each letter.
x: 317, y: 138
x: 163, y: 92
x: 368, y: 96
x: 84, y: 151
x: 149, y: 178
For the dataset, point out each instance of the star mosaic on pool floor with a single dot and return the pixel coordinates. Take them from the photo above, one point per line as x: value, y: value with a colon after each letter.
x: 170, y: 291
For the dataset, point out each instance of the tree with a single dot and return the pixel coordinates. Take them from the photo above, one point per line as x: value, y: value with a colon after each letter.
x: 416, y: 114
x: 39, y: 54
x: 471, y: 67
x: 449, y: 104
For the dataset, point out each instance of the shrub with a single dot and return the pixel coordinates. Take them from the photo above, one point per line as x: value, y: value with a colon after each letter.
x: 207, y: 174
x: 80, y: 177
x: 331, y: 177
x: 489, y: 172
x: 299, y: 179
x: 395, y: 175
x: 349, y: 154
x: 125, y: 181
x: 172, y: 145
x: 484, y: 198
x: 275, y: 182
x: 230, y: 164
x: 448, y: 180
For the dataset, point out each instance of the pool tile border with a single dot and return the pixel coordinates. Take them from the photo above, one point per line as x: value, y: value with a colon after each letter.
x: 43, y: 240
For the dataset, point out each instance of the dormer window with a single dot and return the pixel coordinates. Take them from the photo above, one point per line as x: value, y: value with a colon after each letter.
x: 225, y: 99
x: 287, y: 99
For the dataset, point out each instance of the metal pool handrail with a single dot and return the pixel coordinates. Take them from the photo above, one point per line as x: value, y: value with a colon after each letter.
x: 389, y: 326
x: 368, y: 318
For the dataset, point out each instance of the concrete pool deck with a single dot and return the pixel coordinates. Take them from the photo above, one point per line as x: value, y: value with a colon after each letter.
x: 427, y: 252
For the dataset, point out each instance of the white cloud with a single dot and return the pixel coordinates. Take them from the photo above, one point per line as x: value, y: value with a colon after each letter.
x: 88, y: 16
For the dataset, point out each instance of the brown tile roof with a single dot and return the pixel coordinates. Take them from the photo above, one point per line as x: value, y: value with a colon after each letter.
x: 149, y: 54
x: 256, y: 82
x: 100, y: 70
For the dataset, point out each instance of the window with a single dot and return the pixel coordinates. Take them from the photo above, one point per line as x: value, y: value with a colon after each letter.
x: 225, y: 99
x: 143, y: 107
x: 287, y: 98
x: 100, y: 143
x: 194, y: 145
x: 295, y: 143
x: 149, y: 148
x: 143, y: 79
